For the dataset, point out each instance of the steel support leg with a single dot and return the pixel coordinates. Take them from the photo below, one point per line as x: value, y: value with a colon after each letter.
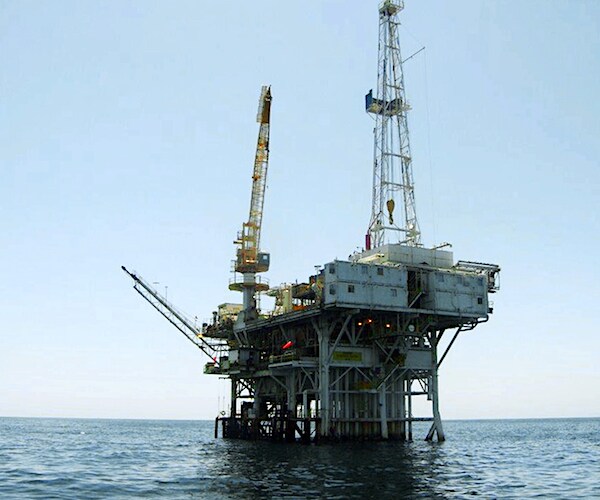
x: 437, y: 419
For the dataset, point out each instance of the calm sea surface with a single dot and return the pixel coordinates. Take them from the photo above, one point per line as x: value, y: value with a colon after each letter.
x: 83, y: 459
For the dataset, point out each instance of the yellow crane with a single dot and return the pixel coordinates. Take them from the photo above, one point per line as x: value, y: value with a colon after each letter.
x: 249, y: 259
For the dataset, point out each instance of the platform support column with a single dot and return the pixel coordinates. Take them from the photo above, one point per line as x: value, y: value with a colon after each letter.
x: 383, y: 411
x: 402, y: 408
x: 233, y: 398
x: 324, y: 409
x: 291, y: 393
x: 409, y: 408
x: 437, y: 419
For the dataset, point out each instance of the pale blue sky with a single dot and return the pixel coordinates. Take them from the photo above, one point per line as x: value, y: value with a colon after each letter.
x: 127, y: 133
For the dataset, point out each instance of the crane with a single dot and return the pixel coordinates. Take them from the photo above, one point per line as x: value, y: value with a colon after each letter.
x: 214, y: 348
x: 392, y: 163
x: 249, y: 259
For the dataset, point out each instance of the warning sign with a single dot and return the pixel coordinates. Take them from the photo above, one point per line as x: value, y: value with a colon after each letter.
x: 347, y: 356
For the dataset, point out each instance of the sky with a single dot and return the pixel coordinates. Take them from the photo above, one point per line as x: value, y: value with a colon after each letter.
x: 127, y: 137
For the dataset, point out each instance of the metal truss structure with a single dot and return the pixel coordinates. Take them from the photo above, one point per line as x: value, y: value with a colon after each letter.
x: 392, y: 162
x: 322, y: 389
x: 348, y: 372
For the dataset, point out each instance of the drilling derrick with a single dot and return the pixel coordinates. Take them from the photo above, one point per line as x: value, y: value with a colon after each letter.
x: 249, y: 259
x: 344, y: 353
x: 392, y: 170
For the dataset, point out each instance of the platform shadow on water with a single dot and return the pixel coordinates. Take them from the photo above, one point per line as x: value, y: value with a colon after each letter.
x: 342, y: 470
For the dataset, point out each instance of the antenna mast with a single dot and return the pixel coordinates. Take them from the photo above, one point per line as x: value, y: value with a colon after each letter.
x: 392, y: 162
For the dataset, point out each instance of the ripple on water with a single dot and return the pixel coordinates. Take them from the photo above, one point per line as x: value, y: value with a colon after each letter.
x: 54, y: 458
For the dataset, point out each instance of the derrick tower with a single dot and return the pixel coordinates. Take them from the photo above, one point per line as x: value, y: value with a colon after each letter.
x: 392, y: 160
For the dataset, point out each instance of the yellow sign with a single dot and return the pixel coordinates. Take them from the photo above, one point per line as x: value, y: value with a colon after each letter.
x: 347, y: 356
x: 363, y: 385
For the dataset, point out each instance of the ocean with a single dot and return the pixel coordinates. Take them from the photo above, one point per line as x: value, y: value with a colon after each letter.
x: 87, y: 459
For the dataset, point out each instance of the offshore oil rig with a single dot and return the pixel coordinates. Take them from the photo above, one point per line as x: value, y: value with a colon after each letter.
x: 343, y: 354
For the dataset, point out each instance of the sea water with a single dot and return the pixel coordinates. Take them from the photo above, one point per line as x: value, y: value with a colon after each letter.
x: 86, y: 459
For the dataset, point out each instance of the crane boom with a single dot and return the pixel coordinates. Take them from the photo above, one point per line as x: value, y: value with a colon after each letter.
x: 248, y: 258
x: 213, y: 348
